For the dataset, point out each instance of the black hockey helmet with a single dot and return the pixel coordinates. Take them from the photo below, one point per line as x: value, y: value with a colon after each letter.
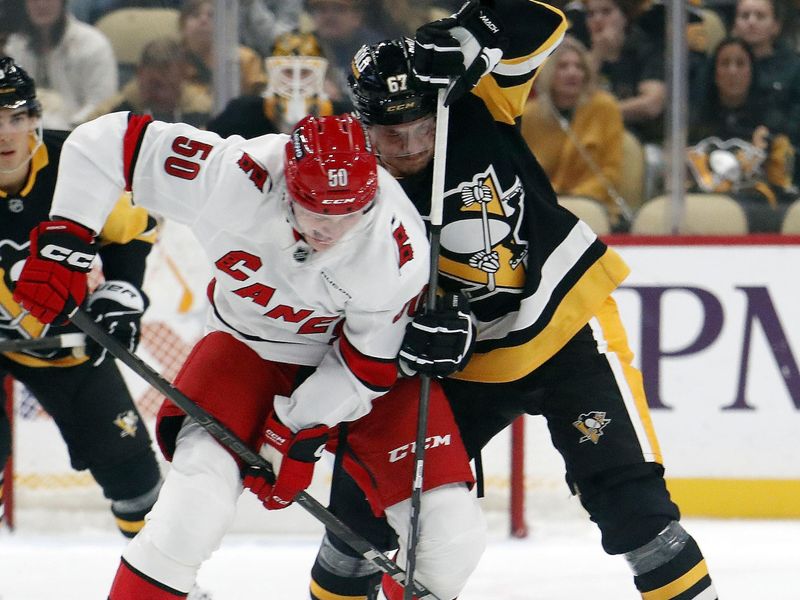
x: 17, y: 89
x: 383, y: 86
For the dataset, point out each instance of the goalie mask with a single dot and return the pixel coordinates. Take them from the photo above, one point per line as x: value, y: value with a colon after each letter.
x: 20, y: 112
x: 295, y: 81
x: 331, y: 178
x: 399, y: 114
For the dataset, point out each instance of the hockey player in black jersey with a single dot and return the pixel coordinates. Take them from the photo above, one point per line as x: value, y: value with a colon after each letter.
x: 82, y: 391
x: 549, y: 338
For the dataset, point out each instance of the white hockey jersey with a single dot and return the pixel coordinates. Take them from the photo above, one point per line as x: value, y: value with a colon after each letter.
x: 343, y: 310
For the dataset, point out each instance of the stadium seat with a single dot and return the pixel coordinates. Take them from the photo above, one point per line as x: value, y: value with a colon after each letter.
x: 704, y: 214
x: 589, y: 211
x: 131, y: 29
x: 631, y: 187
x: 791, y: 220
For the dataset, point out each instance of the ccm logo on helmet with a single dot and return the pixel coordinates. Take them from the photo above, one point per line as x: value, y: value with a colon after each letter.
x: 74, y: 258
x: 339, y: 201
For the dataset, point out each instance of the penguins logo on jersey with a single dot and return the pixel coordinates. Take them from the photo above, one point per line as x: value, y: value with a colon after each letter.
x: 128, y: 422
x: 12, y: 316
x: 481, y: 244
x: 591, y: 425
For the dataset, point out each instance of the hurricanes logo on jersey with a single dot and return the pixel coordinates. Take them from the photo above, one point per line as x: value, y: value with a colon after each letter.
x: 128, y: 422
x: 481, y: 243
x: 591, y: 425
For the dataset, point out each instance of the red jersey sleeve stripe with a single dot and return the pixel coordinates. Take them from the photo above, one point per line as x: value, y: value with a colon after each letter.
x: 131, y: 143
x: 378, y: 374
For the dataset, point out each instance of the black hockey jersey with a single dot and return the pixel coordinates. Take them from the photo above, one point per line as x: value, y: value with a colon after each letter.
x: 125, y: 242
x: 553, y: 273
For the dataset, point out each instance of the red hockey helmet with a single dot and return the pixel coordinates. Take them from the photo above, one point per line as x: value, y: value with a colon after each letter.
x: 330, y: 168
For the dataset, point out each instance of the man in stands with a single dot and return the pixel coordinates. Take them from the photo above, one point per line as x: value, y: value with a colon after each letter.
x: 549, y: 337
x: 83, y: 392
x: 319, y: 262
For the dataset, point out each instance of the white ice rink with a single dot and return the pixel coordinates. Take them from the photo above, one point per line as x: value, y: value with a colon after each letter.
x: 749, y: 560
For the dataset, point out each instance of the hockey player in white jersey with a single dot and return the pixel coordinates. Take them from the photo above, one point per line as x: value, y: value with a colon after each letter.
x: 320, y: 259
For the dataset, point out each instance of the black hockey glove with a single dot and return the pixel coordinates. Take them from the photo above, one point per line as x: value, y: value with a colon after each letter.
x: 461, y: 48
x: 117, y: 306
x: 440, y: 342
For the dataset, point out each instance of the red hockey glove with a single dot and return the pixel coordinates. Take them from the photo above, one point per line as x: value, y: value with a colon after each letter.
x: 461, y: 48
x: 292, y: 456
x: 117, y: 306
x: 53, y: 279
x: 440, y: 342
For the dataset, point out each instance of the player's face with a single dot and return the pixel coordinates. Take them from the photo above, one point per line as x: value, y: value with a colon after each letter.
x: 323, y: 231
x: 733, y: 73
x: 404, y: 149
x: 755, y: 23
x: 16, y: 130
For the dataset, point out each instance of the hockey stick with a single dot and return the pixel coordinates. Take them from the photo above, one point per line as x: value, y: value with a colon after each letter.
x: 65, y: 340
x: 437, y: 207
x: 229, y: 439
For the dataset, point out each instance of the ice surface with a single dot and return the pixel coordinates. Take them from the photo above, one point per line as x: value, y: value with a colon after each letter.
x: 749, y: 560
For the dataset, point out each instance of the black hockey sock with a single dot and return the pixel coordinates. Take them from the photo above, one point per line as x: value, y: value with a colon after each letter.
x: 685, y: 577
x: 325, y: 584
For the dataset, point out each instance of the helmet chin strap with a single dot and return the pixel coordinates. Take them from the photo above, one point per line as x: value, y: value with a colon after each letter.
x: 38, y: 136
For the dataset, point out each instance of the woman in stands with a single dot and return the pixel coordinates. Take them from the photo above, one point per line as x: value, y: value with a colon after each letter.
x: 575, y: 129
x: 72, y: 62
x: 760, y: 24
x: 735, y: 147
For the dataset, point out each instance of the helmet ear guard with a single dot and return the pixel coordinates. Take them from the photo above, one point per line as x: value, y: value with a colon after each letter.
x: 330, y: 168
x: 383, y: 86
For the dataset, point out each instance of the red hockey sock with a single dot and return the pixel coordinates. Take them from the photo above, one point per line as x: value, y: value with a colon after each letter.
x: 130, y: 584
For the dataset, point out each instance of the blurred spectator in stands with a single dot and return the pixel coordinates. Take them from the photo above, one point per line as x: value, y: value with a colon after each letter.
x: 10, y: 20
x: 262, y: 21
x: 197, y: 37
x: 89, y: 11
x: 630, y: 65
x: 759, y: 23
x: 72, y: 62
x: 295, y: 88
x: 396, y: 18
x: 159, y: 89
x: 575, y: 130
x: 734, y: 147
x: 575, y: 11
x: 341, y: 27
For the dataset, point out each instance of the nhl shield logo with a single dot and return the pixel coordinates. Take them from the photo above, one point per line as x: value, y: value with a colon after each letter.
x: 591, y: 425
x: 128, y: 422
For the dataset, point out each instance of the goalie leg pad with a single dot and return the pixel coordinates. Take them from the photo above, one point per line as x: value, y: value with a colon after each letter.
x: 671, y: 566
x: 452, y: 537
x: 195, y: 508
